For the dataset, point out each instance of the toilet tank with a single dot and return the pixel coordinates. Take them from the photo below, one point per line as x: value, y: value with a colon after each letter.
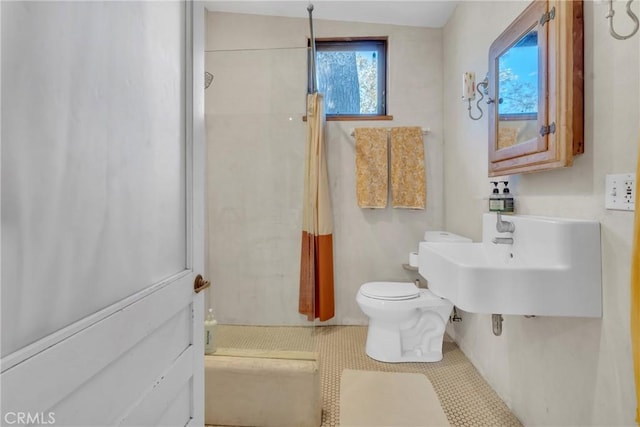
x: 444, y: 236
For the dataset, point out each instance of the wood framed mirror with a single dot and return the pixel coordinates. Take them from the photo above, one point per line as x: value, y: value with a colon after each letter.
x: 536, y: 90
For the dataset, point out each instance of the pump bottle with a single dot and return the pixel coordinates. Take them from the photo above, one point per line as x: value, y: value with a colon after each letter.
x: 496, y: 202
x: 210, y: 326
x: 507, y: 197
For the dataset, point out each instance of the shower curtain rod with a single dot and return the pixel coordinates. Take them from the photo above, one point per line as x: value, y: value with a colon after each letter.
x: 313, y: 88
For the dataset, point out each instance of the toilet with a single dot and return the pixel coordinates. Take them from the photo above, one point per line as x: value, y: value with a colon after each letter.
x: 406, y: 323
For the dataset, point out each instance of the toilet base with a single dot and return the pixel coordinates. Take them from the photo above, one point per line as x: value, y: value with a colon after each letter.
x: 420, y: 341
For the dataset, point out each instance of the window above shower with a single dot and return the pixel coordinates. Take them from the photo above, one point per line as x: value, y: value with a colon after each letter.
x: 352, y: 76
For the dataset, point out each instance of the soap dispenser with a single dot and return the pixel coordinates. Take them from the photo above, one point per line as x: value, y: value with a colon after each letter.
x: 507, y: 197
x: 210, y: 325
x: 496, y: 201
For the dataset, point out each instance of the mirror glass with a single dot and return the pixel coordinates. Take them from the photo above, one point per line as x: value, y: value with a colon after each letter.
x: 518, y: 91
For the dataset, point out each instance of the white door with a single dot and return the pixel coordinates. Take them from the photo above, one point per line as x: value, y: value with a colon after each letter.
x: 102, y: 213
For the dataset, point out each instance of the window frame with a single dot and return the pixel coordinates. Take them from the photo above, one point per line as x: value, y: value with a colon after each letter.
x: 378, y: 43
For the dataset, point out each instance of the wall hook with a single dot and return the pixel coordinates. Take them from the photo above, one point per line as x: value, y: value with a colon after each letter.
x: 483, y: 92
x: 632, y: 15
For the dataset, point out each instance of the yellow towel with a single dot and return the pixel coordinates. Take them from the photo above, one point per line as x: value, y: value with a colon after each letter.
x: 408, y: 183
x: 372, y: 176
x: 635, y: 298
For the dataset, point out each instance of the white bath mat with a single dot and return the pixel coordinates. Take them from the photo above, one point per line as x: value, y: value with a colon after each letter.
x: 377, y: 399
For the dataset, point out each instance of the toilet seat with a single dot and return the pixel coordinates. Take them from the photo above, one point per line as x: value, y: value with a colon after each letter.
x: 390, y: 291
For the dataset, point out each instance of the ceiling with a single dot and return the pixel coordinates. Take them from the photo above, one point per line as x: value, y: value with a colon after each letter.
x: 419, y: 13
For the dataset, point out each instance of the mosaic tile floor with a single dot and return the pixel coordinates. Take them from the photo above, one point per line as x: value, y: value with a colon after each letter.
x: 466, y: 398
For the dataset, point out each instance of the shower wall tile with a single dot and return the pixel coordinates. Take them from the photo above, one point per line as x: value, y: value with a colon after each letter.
x: 254, y: 189
x: 257, y: 82
x: 230, y: 31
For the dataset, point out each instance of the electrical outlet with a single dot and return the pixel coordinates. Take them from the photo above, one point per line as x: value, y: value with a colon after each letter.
x: 620, y: 192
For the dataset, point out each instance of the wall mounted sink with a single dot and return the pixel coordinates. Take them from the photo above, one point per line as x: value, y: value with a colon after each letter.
x: 552, y: 268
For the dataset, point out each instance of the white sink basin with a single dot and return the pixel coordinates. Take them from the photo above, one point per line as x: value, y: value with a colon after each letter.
x: 553, y: 268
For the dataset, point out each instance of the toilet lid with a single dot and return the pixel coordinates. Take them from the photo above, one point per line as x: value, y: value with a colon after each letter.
x: 390, y: 290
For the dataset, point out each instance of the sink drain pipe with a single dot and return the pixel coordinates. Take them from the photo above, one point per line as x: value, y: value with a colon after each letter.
x: 496, y: 322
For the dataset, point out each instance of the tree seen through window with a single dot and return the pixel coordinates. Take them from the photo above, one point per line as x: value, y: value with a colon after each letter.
x: 351, y: 77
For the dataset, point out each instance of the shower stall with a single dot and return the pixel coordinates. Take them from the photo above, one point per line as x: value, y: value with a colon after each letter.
x: 255, y: 174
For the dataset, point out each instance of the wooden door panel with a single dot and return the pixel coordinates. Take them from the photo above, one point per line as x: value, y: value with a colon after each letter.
x: 104, y: 372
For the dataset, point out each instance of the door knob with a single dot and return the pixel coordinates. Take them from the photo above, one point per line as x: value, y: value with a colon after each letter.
x: 199, y: 284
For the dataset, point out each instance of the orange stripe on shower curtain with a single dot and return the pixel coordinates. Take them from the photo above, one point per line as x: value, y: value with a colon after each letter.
x: 635, y: 297
x: 316, y: 298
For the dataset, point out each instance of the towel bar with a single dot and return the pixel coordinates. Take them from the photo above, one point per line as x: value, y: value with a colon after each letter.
x: 424, y: 131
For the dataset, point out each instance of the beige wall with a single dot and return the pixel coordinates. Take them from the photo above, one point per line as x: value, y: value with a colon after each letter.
x: 256, y: 145
x: 551, y: 371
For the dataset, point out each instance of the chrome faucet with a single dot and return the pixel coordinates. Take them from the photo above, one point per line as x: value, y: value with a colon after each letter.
x: 503, y: 240
x: 504, y: 226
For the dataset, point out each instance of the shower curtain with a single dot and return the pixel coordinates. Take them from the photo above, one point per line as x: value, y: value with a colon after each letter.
x: 635, y: 298
x: 316, y: 262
